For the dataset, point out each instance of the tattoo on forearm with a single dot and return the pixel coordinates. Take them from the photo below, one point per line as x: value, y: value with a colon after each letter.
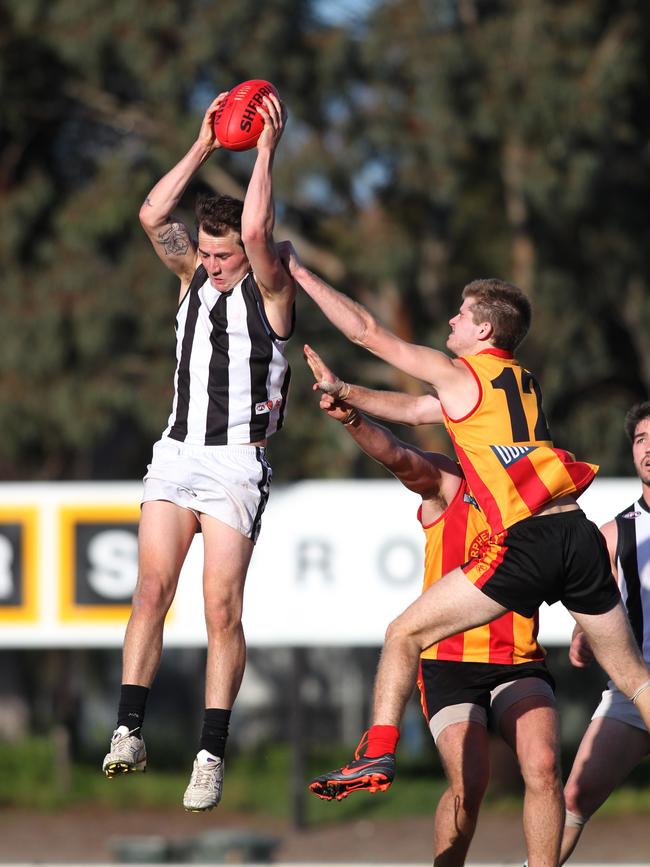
x: 174, y: 240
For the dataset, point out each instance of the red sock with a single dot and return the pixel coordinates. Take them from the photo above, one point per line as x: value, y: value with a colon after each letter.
x: 381, y: 739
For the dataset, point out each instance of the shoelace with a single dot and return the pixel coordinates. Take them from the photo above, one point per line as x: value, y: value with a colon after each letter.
x: 205, y: 776
x: 362, y: 743
x: 120, y: 741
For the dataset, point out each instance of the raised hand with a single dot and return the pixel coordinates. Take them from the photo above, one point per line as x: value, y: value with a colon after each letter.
x: 274, y: 114
x: 326, y: 380
x: 206, y: 134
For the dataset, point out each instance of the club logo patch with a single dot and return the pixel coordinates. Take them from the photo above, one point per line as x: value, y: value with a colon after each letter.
x: 631, y: 515
x: 268, y: 406
x: 509, y: 455
x: 478, y: 546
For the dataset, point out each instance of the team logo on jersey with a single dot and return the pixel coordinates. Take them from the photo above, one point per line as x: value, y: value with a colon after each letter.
x: 468, y: 498
x: 509, y: 455
x: 478, y: 545
x: 631, y: 515
x: 267, y: 406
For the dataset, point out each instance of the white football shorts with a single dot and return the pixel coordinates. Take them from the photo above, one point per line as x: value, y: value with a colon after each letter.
x: 230, y: 483
x: 615, y: 705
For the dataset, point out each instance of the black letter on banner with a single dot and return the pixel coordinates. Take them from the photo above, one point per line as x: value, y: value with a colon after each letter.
x: 400, y: 561
x: 314, y: 558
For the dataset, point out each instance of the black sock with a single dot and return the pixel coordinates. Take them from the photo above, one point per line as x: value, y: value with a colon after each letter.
x: 130, y: 712
x: 215, y: 731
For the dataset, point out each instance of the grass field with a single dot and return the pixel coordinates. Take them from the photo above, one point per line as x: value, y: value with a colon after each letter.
x: 30, y: 777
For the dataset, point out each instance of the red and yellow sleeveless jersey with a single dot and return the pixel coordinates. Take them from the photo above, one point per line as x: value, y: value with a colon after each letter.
x: 504, y: 446
x: 451, y: 540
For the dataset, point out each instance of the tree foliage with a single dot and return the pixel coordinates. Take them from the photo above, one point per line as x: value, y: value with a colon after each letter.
x: 430, y: 142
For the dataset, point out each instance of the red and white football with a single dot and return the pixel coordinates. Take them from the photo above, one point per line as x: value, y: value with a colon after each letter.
x: 237, y: 123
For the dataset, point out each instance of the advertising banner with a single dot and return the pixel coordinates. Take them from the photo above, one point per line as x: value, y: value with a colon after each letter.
x: 335, y: 562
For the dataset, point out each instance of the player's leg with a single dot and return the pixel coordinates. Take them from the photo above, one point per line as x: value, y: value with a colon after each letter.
x: 616, y: 650
x: 464, y: 752
x: 227, y: 557
x: 455, y: 696
x: 164, y: 537
x: 227, y: 554
x: 610, y: 749
x: 451, y: 605
x: 529, y: 725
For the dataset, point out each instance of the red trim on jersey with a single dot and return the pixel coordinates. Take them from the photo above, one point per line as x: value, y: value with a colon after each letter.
x: 502, y: 636
x: 478, y: 400
x: 529, y: 485
x: 492, y: 350
x: 461, y: 489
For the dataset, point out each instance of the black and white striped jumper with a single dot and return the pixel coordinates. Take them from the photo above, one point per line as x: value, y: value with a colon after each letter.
x: 633, y: 569
x: 232, y: 379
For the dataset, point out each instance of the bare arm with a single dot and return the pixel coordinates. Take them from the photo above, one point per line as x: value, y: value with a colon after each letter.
x: 170, y: 238
x: 580, y: 652
x: 258, y: 219
x: 388, y: 405
x: 360, y: 326
x: 428, y: 474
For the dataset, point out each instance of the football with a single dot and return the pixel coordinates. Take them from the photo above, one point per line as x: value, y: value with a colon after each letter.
x: 237, y: 124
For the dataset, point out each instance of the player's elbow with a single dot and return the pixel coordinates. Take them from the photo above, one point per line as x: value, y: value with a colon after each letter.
x: 252, y: 236
x: 365, y: 330
x: 149, y: 219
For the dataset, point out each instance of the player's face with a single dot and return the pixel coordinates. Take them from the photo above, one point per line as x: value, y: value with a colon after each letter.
x: 464, y: 332
x: 641, y: 450
x: 223, y: 258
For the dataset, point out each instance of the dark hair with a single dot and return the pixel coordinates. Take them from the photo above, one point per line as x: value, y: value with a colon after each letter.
x: 504, y: 306
x: 219, y: 215
x: 637, y: 413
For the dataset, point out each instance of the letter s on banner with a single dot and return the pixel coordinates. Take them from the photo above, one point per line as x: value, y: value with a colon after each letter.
x: 113, y: 563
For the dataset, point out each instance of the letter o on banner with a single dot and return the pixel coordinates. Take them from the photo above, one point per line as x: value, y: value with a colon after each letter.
x: 399, y: 562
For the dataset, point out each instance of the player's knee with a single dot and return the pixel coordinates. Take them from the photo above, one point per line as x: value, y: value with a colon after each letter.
x: 541, y: 769
x: 223, y: 615
x: 153, y: 594
x: 473, y: 790
x: 398, y: 631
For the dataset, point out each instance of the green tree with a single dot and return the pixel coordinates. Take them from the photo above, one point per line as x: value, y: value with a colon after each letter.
x: 429, y: 143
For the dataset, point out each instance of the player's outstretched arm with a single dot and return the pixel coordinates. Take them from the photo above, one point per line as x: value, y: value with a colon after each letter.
x: 392, y: 406
x: 258, y: 219
x: 170, y: 238
x: 361, y: 327
x: 421, y: 472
